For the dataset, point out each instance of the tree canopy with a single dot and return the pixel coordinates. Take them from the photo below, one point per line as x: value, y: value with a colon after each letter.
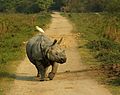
x: 33, y: 6
x: 89, y: 5
x: 25, y: 6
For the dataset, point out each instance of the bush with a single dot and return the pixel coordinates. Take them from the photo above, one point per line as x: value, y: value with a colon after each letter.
x: 103, y: 44
x: 13, y: 32
x: 109, y: 57
x: 107, y: 51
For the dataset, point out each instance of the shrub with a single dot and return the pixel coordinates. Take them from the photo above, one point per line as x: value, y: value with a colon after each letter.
x: 13, y: 32
x: 108, y: 51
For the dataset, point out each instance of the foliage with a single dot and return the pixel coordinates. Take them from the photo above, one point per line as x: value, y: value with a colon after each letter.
x: 33, y: 6
x: 89, y: 5
x: 98, y: 45
x: 102, y: 33
x: 14, y: 32
x: 44, y: 4
x: 59, y: 3
x: 25, y: 6
x: 107, y: 51
x: 6, y: 5
x: 97, y: 32
x: 113, y: 6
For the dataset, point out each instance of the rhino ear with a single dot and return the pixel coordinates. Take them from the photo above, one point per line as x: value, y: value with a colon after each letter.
x: 55, y: 41
x: 59, y: 42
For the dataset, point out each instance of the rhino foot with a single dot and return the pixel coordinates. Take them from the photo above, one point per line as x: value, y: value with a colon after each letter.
x: 41, y: 79
x: 51, y: 75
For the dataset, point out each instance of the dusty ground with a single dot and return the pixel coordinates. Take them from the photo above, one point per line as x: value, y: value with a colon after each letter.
x: 71, y: 78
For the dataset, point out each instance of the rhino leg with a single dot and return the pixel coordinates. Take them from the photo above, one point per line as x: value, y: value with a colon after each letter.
x: 41, y: 70
x: 53, y: 71
x: 54, y: 67
x: 38, y: 73
x: 46, y: 72
x: 46, y: 77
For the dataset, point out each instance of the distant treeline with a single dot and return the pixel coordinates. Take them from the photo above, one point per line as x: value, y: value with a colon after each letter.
x: 89, y: 5
x: 34, y: 6
x: 25, y: 6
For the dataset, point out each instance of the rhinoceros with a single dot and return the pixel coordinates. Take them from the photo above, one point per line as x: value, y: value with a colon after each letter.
x: 43, y: 52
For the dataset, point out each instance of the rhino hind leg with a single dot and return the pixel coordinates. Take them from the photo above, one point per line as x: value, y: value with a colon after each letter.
x: 38, y: 73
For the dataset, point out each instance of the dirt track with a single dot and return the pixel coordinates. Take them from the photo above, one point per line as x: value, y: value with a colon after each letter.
x: 70, y: 79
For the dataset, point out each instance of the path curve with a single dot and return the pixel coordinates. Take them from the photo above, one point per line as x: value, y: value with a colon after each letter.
x: 70, y: 79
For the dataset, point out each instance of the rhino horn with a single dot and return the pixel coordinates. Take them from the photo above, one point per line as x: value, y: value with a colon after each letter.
x: 59, y: 42
x: 55, y: 41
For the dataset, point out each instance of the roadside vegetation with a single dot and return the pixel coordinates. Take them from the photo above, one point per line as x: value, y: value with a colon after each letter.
x: 100, y: 44
x: 15, y: 30
x: 98, y: 24
x: 17, y: 24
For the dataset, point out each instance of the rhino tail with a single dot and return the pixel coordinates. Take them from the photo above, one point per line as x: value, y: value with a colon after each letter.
x: 40, y: 29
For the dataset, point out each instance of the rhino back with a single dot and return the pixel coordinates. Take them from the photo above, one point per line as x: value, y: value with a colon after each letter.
x: 36, y: 46
x: 29, y: 48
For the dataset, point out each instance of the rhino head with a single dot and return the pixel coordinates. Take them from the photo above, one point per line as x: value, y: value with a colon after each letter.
x: 55, y: 53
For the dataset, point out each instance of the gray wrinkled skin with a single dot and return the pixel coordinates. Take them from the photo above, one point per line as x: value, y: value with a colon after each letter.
x: 42, y: 52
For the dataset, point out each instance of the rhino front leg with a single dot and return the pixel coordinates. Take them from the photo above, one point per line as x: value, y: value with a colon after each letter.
x: 38, y: 72
x: 46, y: 72
x: 54, y: 67
x: 46, y: 77
x: 53, y: 71
x: 41, y: 70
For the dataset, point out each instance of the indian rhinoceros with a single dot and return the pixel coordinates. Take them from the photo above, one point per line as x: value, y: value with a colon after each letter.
x: 43, y: 52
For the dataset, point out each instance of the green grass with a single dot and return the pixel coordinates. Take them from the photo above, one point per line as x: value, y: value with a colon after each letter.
x: 99, y: 44
x: 14, y: 32
x: 15, y: 29
x: 94, y: 28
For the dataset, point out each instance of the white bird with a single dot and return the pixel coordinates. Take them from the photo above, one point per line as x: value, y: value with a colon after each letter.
x: 40, y: 29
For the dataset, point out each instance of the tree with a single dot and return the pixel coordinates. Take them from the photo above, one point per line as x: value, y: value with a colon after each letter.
x: 7, y: 5
x: 113, y: 6
x: 95, y: 5
x: 44, y: 5
x: 58, y: 4
x: 25, y: 6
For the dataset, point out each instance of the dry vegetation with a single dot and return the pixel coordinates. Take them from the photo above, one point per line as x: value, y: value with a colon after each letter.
x: 15, y: 29
x: 100, y: 45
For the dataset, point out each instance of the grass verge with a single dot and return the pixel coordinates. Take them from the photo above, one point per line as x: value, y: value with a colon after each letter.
x: 15, y: 30
x: 99, y: 46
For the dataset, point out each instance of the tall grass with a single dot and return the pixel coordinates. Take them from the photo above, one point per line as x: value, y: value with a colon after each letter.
x: 101, y: 33
x: 15, y: 30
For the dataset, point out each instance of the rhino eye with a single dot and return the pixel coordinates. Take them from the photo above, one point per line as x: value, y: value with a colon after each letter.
x: 56, y: 53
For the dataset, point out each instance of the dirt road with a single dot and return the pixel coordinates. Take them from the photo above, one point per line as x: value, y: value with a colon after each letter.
x: 70, y: 79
